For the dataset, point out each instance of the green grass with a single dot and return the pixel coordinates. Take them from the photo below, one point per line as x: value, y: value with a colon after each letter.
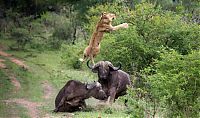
x: 5, y: 86
x: 10, y: 110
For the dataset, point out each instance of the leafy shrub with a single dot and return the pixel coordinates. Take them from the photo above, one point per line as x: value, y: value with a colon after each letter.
x: 62, y: 32
x: 22, y: 37
x: 130, y: 50
x: 176, y: 83
x: 71, y: 54
x: 51, y: 19
x: 140, y: 104
x: 166, y: 28
x: 39, y: 35
x: 51, y: 31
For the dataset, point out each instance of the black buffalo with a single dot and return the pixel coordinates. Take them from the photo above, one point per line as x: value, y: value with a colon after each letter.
x: 72, y: 96
x: 113, y: 80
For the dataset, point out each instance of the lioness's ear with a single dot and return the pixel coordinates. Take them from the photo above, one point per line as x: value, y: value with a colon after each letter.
x: 103, y: 14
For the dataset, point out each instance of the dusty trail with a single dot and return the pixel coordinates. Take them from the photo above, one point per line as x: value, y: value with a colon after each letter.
x: 4, y: 54
x: 2, y: 65
x: 11, y: 76
x: 32, y: 107
x: 15, y: 83
x: 48, y: 90
x: 18, y: 62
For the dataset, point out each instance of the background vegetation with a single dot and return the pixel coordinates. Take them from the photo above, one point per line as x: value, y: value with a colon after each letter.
x: 160, y: 49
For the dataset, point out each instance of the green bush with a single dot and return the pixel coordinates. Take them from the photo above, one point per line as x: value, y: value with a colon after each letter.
x: 136, y: 107
x: 22, y: 37
x: 175, y: 83
x: 39, y: 35
x: 62, y: 32
x: 71, y: 55
x: 51, y: 31
x: 51, y: 19
x: 166, y: 28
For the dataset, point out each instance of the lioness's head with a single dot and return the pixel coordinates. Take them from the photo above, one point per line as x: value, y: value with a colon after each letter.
x: 107, y: 17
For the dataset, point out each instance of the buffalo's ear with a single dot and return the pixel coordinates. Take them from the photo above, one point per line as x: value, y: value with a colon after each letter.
x: 112, y: 68
x: 95, y: 68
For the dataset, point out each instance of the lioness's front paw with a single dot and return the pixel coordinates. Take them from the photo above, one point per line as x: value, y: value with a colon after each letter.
x: 125, y: 25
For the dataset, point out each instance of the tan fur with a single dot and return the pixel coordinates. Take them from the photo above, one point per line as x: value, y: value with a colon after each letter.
x: 104, y: 25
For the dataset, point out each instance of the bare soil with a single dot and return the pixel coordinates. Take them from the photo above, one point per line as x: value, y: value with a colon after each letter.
x: 15, y: 83
x: 19, y: 62
x: 2, y: 65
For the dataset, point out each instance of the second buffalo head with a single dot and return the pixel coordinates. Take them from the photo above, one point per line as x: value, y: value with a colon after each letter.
x: 103, y: 68
x: 96, y: 91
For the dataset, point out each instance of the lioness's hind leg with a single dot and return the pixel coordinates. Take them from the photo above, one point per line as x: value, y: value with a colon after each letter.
x: 92, y: 59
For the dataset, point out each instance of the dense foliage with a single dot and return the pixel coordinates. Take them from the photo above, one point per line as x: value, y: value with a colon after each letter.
x: 174, y: 82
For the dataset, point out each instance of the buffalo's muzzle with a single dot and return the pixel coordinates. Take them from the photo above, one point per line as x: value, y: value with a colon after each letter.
x: 103, y: 95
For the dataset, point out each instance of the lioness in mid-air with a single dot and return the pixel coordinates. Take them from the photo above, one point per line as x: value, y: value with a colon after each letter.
x: 104, y: 25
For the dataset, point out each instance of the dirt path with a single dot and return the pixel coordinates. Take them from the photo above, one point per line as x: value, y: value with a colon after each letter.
x: 2, y: 53
x: 15, y: 82
x: 30, y: 106
x: 18, y: 62
x: 2, y: 65
x: 11, y: 76
x: 48, y: 90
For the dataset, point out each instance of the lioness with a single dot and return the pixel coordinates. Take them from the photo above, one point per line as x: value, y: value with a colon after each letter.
x: 104, y: 25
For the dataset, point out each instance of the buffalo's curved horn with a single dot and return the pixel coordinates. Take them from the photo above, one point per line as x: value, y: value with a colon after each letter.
x: 114, y: 68
x: 96, y: 67
x: 88, y: 65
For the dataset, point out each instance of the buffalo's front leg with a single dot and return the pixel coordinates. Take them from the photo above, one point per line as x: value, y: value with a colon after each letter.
x: 112, y: 93
x: 60, y: 104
